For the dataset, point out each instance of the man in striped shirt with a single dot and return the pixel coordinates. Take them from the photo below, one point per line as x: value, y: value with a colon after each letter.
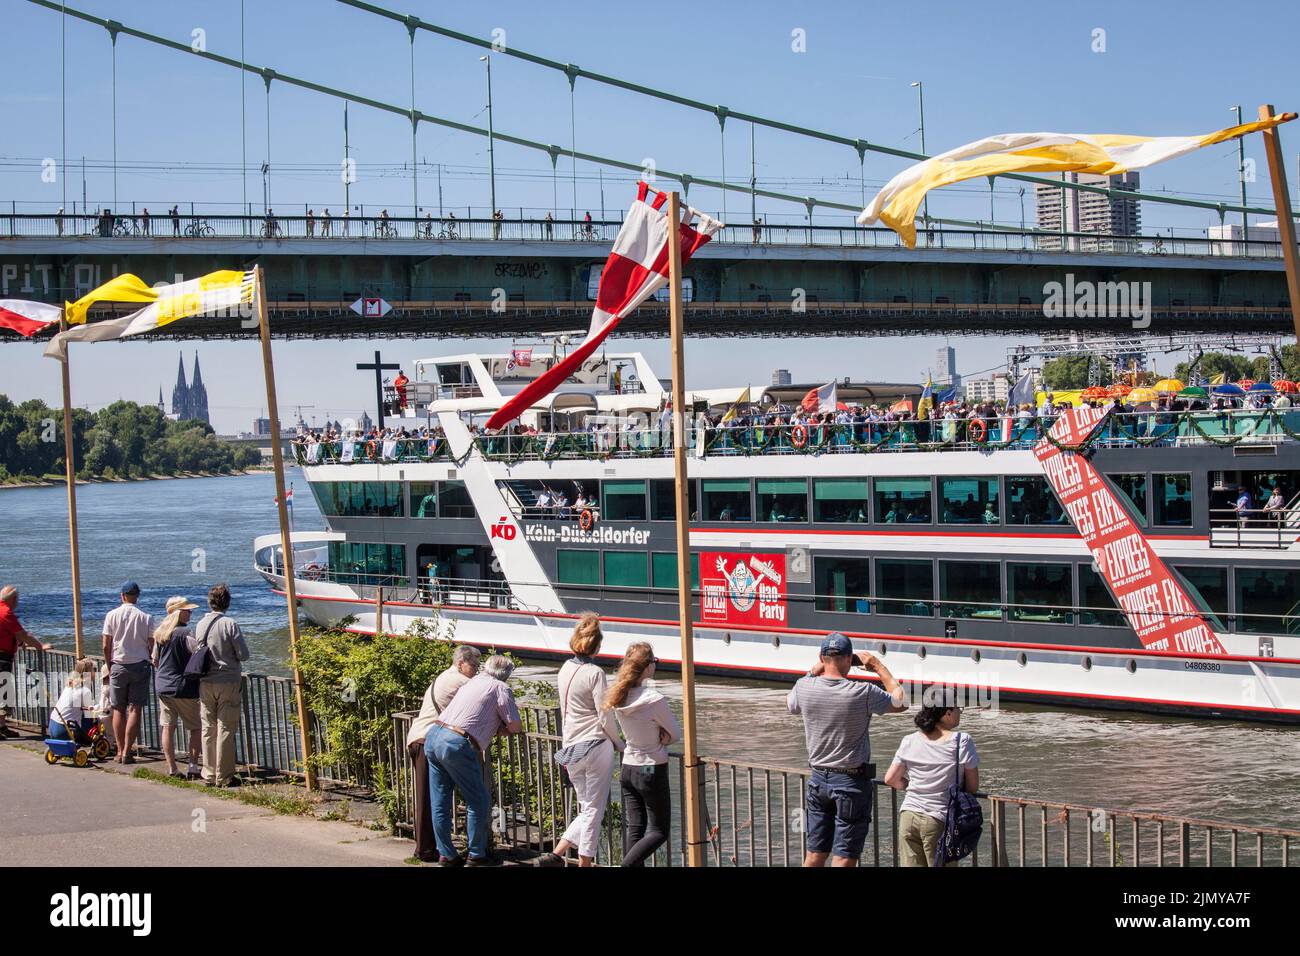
x: 837, y: 716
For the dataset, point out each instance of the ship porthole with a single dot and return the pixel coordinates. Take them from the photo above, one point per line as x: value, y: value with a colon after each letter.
x: 776, y: 641
x: 921, y: 652
x: 1087, y: 663
x: 1132, y: 666
x: 1022, y: 659
x: 975, y: 656
x: 883, y: 650
x: 726, y: 638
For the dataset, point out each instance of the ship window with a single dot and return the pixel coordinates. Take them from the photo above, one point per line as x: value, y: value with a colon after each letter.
x: 840, y: 499
x: 355, y: 562
x: 371, y: 499
x: 726, y: 500
x: 905, y: 587
x: 627, y: 569
x: 454, y: 500
x: 1096, y: 603
x: 843, y: 584
x: 624, y: 501
x: 1134, y: 489
x: 1267, y: 600
x: 1030, y: 500
x: 971, y: 589
x: 424, y: 499
x: 782, y: 499
x: 1040, y: 593
x: 969, y: 501
x: 903, y: 500
x: 663, y: 500
x: 1173, y: 500
x: 1207, y: 586
x: 664, y: 570
x: 577, y: 567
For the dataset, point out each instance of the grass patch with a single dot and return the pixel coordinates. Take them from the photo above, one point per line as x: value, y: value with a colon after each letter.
x: 280, y: 803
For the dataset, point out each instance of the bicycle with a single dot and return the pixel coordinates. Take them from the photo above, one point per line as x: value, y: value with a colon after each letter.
x: 199, y: 229
x: 271, y: 230
x: 127, y: 228
x: 385, y: 230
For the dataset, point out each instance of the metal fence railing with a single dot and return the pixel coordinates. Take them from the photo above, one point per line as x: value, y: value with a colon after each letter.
x: 140, y: 222
x: 754, y: 817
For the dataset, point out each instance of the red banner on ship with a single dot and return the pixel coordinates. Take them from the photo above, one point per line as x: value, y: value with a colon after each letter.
x: 1152, y: 599
x: 743, y: 589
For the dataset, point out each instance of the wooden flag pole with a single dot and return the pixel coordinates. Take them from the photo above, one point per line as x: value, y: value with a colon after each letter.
x: 1285, y: 224
x: 70, y: 468
x: 286, y: 539
x: 691, y: 791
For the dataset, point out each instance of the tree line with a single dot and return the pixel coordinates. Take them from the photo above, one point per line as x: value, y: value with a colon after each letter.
x: 122, y: 440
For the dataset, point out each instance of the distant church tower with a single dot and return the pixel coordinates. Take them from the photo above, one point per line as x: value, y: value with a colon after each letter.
x: 190, y: 402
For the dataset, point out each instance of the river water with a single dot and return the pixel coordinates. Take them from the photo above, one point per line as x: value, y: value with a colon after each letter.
x: 180, y: 536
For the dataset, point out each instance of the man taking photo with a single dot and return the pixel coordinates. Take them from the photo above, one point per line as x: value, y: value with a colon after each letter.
x: 837, y: 713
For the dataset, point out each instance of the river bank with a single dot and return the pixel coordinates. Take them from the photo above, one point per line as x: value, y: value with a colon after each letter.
x: 58, y: 481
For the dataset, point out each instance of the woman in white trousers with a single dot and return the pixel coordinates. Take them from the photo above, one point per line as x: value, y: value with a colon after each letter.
x: 590, y: 739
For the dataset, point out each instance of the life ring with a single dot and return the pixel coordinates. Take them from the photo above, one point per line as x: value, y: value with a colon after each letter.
x: 586, y: 520
x: 799, y: 436
x: 372, y: 450
x: 977, y: 430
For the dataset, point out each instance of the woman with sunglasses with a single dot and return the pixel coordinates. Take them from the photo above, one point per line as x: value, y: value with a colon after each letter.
x: 928, y: 762
x: 648, y: 726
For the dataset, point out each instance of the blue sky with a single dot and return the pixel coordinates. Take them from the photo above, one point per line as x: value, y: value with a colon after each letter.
x: 1168, y: 68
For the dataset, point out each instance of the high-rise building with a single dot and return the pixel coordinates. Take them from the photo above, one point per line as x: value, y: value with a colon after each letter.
x: 189, y: 402
x: 995, y: 389
x: 781, y: 376
x: 1089, y: 212
x: 945, y: 366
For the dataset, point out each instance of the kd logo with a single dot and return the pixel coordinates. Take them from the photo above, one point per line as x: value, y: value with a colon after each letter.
x: 503, y: 529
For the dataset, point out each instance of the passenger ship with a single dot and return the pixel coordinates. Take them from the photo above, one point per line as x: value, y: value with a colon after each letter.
x: 949, y: 554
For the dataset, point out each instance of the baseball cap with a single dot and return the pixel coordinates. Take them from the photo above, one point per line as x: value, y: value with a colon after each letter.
x: 130, y: 587
x: 836, y: 645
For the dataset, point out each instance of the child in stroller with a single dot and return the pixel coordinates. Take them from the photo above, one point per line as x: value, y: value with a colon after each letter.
x: 74, y: 730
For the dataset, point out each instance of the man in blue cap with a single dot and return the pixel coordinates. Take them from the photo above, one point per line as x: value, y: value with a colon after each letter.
x: 836, y: 717
x: 128, y: 651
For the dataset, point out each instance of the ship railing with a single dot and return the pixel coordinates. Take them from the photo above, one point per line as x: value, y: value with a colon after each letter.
x: 753, y: 816
x: 372, y: 451
x: 1121, y: 430
x: 1254, y: 527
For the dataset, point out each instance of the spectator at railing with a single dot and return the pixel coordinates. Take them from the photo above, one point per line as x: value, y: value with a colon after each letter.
x: 325, y: 223
x: 175, y: 214
x: 12, y: 636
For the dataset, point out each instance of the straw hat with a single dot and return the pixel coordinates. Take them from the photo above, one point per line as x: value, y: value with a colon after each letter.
x: 179, y: 603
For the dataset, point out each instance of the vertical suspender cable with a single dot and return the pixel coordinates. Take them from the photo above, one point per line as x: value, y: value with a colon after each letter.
x: 63, y: 108
x: 112, y: 36
x: 243, y: 118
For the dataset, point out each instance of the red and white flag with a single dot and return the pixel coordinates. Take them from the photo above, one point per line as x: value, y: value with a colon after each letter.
x: 824, y: 399
x: 519, y: 358
x: 636, y: 268
x: 27, y: 318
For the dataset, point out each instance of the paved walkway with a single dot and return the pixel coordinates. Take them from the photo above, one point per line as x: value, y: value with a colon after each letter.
x: 62, y: 815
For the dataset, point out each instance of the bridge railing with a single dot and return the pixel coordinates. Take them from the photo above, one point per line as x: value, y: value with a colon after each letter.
x: 160, y: 224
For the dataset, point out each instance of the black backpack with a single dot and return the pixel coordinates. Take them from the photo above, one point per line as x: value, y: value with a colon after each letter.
x: 964, y: 824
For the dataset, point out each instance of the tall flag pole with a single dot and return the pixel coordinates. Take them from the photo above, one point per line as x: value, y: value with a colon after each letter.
x: 1282, y: 202
x: 70, y: 468
x: 27, y: 318
x: 286, y: 536
x: 692, y: 790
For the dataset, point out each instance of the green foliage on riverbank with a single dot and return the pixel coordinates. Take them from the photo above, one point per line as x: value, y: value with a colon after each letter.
x: 122, y: 440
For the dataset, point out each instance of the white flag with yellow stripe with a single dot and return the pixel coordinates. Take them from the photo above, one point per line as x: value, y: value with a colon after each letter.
x: 1103, y: 153
x: 216, y: 292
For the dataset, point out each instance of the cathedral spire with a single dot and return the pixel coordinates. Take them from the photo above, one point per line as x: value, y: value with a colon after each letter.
x: 198, y: 378
x: 180, y: 371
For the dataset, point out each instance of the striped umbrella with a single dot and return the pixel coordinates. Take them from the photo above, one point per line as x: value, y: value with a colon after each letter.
x: 1285, y: 385
x: 1095, y: 394
x: 1245, y: 383
x: 1119, y: 390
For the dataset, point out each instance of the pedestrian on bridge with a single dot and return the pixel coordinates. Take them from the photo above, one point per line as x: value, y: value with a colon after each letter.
x: 176, y: 218
x: 325, y: 223
x: 144, y: 220
x: 837, y: 715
